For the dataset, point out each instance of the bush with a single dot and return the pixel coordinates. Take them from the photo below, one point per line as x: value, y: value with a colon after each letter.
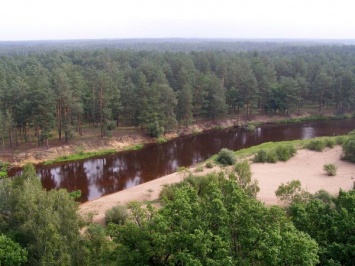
x: 349, y: 149
x: 226, y: 157
x: 323, y: 196
x: 155, y: 130
x: 161, y: 140
x: 250, y: 127
x: 330, y: 169
x: 340, y: 140
x: 316, y: 145
x: 285, y: 152
x: 292, y: 192
x: 272, y: 157
x: 209, y: 165
x: 199, y: 169
x: 330, y: 143
x: 261, y: 157
x: 116, y: 215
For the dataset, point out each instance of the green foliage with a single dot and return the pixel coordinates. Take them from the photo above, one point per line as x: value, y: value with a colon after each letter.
x: 330, y: 169
x: 219, y: 226
x: 154, y: 129
x: 117, y: 215
x: 199, y: 169
x: 316, y: 145
x: 209, y: 165
x: 331, y: 224
x: 226, y: 157
x: 79, y: 156
x: 292, y: 192
x: 285, y: 152
x: 349, y: 149
x: 250, y: 127
x: 199, y: 183
x: 3, y: 169
x: 11, y: 253
x: 99, y: 250
x: 340, y: 140
x: 272, y: 157
x: 261, y: 156
x: 280, y: 153
x: 243, y: 176
x: 75, y: 194
x: 330, y: 143
x: 161, y: 140
x: 324, y: 196
x: 45, y: 223
x: 134, y: 147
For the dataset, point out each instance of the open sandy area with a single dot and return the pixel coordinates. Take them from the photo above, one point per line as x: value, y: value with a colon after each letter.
x: 306, y: 166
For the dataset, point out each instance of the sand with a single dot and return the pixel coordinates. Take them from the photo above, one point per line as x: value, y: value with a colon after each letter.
x: 306, y: 166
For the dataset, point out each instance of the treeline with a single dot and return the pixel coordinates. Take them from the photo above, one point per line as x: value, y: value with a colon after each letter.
x: 157, y: 91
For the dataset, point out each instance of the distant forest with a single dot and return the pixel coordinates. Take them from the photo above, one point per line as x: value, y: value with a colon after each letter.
x: 46, y: 86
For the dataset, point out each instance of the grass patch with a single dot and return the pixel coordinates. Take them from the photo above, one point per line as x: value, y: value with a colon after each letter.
x: 209, y: 164
x: 268, y: 146
x: 312, y: 118
x: 273, y: 155
x: 161, y: 140
x: 134, y: 147
x: 3, y: 169
x: 199, y: 169
x: 80, y: 156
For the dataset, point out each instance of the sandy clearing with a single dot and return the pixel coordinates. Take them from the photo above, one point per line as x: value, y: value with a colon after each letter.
x: 306, y: 166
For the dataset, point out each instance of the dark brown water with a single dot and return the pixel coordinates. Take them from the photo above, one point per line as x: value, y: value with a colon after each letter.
x: 101, y: 176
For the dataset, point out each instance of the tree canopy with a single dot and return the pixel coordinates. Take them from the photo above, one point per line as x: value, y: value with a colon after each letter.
x: 48, y: 88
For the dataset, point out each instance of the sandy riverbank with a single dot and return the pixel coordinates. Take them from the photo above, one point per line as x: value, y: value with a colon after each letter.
x: 306, y: 166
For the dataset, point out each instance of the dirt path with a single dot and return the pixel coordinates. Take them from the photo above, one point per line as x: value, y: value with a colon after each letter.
x: 121, y: 139
x: 306, y: 166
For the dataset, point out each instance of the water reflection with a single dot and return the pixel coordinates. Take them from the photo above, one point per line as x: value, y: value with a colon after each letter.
x: 101, y: 176
x: 307, y: 132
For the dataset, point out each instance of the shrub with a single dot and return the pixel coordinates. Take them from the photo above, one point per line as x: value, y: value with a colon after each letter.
x: 285, y: 152
x: 209, y: 165
x: 323, y: 196
x: 155, y: 130
x: 161, y: 140
x: 349, y: 149
x: 199, y: 169
x: 116, y: 215
x: 226, y: 157
x: 316, y: 145
x: 330, y: 143
x: 292, y: 192
x: 272, y: 157
x: 250, y: 127
x: 3, y: 169
x: 261, y: 157
x: 330, y: 169
x: 340, y: 140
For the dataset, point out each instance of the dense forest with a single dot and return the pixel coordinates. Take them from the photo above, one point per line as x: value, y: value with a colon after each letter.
x: 42, y: 89
x: 209, y: 220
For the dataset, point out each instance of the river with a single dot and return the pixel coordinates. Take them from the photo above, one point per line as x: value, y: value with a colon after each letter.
x: 100, y: 176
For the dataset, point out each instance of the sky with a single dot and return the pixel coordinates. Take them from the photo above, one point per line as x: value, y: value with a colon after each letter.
x: 125, y: 19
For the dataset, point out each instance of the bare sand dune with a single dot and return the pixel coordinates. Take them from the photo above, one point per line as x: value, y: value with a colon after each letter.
x: 306, y: 166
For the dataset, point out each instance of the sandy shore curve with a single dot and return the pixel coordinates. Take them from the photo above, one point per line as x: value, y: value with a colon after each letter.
x: 306, y: 166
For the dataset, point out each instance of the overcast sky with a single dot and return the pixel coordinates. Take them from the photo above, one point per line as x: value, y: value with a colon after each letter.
x: 96, y: 19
